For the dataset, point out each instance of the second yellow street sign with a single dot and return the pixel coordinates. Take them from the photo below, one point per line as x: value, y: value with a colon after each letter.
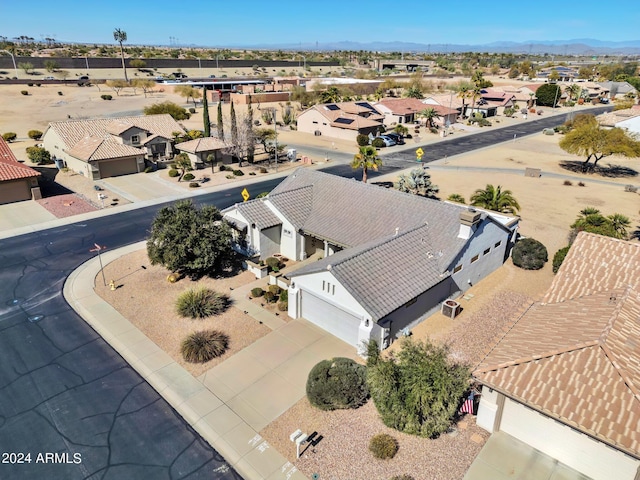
x: 245, y: 194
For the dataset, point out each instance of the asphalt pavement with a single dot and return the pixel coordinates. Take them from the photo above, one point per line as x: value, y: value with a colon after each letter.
x: 70, y: 406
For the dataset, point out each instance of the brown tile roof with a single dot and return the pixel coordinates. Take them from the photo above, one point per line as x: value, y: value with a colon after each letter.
x: 446, y: 100
x: 404, y: 106
x: 10, y: 168
x: 205, y: 144
x: 349, y: 115
x: 91, y: 149
x: 575, y: 355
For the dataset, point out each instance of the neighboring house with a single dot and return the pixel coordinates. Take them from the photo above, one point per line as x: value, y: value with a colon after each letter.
x: 199, y: 149
x: 17, y: 181
x: 619, y: 90
x: 565, y: 376
x: 406, y: 110
x: 449, y: 100
x: 388, y: 259
x: 565, y: 74
x: 345, y: 120
x: 593, y: 90
x: 522, y: 96
x: 496, y: 98
x: 107, y: 147
x: 627, y: 119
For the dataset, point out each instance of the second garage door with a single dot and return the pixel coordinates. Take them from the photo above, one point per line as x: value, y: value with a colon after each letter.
x: 113, y: 168
x: 329, y: 317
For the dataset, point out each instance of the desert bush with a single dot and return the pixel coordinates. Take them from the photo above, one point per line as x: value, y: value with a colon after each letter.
x: 188, y: 177
x: 378, y: 143
x: 263, y: 170
x: 34, y: 134
x: 194, y: 185
x: 581, y: 184
x: 270, y: 297
x: 192, y: 110
x: 338, y: 383
x: 284, y: 296
x: 229, y: 177
x: 273, y: 262
x: 275, y: 289
x: 567, y: 182
x: 252, y: 173
x: 257, y: 292
x: 39, y: 155
x: 362, y: 140
x: 402, y: 477
x: 200, y: 347
x: 200, y: 303
x: 29, y: 84
x: 60, y: 93
x: 558, y: 258
x: 238, y: 173
x: 173, y: 173
x: 283, y: 306
x: 383, y: 446
x: 222, y: 168
x: 106, y: 97
x: 148, y: 170
x: 529, y: 254
x: 9, y: 136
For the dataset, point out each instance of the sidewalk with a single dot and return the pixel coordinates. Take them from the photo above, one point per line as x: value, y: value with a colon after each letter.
x: 230, y: 403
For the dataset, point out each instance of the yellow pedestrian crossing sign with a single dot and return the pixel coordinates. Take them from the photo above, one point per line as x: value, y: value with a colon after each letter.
x: 245, y: 194
x: 419, y: 153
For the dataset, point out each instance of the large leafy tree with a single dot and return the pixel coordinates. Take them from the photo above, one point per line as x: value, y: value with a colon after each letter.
x: 494, y: 198
x: 190, y: 241
x: 588, y: 139
x: 120, y: 36
x: 366, y: 158
x: 419, y: 392
x: 417, y: 182
x: 176, y: 111
x: 548, y: 95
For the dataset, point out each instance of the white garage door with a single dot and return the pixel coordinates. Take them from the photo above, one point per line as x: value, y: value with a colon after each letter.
x: 331, y: 318
x: 592, y: 458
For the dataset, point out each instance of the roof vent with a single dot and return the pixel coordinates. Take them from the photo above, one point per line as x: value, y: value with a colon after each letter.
x: 329, y: 267
x: 397, y: 230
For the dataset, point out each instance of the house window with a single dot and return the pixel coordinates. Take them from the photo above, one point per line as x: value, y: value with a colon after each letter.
x: 486, y: 252
x: 475, y: 258
x: 324, y: 285
x: 287, y: 232
x: 497, y: 244
x: 457, y: 268
x: 135, y: 138
x: 333, y: 289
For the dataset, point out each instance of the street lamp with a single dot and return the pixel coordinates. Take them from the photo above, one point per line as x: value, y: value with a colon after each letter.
x: 13, y: 59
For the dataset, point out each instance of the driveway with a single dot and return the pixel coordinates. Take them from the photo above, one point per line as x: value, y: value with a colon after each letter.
x: 23, y: 214
x: 141, y: 186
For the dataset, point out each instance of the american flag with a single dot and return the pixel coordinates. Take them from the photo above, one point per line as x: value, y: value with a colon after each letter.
x: 467, y: 406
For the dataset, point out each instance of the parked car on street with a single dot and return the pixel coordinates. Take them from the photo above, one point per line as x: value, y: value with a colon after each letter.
x: 388, y: 141
x: 49, y: 78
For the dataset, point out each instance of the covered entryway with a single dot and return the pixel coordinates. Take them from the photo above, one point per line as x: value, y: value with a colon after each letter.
x: 15, y: 191
x: 330, y: 317
x: 113, y: 168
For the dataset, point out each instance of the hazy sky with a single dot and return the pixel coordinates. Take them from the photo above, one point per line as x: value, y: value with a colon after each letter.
x: 272, y: 22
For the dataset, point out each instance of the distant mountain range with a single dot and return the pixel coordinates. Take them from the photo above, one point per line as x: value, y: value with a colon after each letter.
x: 582, y: 46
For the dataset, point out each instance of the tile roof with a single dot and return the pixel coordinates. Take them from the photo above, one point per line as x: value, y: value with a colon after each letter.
x: 205, y: 144
x: 575, y: 355
x: 91, y: 149
x: 10, y: 168
x: 349, y: 115
x: 256, y: 211
x: 72, y: 131
x: 404, y: 106
x: 611, y: 118
x: 447, y: 100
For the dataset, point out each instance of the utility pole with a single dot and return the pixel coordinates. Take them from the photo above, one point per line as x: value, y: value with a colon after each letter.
x: 275, y: 129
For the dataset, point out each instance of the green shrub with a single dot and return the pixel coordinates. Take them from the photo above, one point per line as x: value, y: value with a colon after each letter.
x: 222, y: 168
x: 9, y: 136
x: 192, y: 110
x: 262, y: 194
x: 34, y: 134
x: 283, y: 306
x: 558, y: 258
x: 229, y: 177
x: 338, y: 383
x: 39, y: 155
x: 252, y: 173
x: 30, y: 84
x: 194, y: 185
x: 383, y: 446
x: 257, y: 292
x: 24, y: 92
x: 270, y: 297
x: 273, y: 262
x: 529, y: 254
x: 106, y: 97
x: 188, y: 176
x: 263, y: 170
x: 173, y: 173
x: 362, y: 140
x: 378, y: 143
x: 284, y: 296
x: 275, y: 289
x: 200, y: 303
x: 200, y: 347
x: 60, y: 93
x: 238, y: 173
x: 148, y: 170
x: 402, y: 477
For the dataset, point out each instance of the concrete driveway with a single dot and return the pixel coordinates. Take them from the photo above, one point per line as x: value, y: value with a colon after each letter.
x: 268, y: 377
x: 141, y: 186
x: 23, y: 214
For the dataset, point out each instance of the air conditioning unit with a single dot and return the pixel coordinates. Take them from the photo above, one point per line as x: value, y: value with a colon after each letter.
x: 451, y: 308
x: 385, y: 332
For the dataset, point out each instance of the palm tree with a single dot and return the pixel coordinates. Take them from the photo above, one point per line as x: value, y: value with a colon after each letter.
x: 428, y: 114
x: 330, y: 95
x: 493, y: 198
x: 121, y: 36
x: 456, y: 197
x: 365, y: 159
x: 477, y: 79
x: 620, y: 223
x: 574, y: 91
x: 463, y: 94
x: 417, y: 182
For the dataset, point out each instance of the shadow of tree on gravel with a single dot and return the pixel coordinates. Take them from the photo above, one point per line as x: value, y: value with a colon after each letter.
x: 611, y: 171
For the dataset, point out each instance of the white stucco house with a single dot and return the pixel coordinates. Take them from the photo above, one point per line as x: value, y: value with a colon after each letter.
x: 200, y: 148
x: 565, y: 377
x: 386, y: 259
x: 107, y: 147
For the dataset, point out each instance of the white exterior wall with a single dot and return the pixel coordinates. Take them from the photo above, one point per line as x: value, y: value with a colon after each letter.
x: 632, y: 125
x: 52, y: 142
x: 486, y: 235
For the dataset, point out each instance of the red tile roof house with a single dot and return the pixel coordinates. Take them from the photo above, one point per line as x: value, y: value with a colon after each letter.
x: 565, y: 376
x: 17, y: 181
x: 496, y: 98
x: 107, y: 147
x: 344, y: 120
x: 388, y: 259
x: 406, y: 110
